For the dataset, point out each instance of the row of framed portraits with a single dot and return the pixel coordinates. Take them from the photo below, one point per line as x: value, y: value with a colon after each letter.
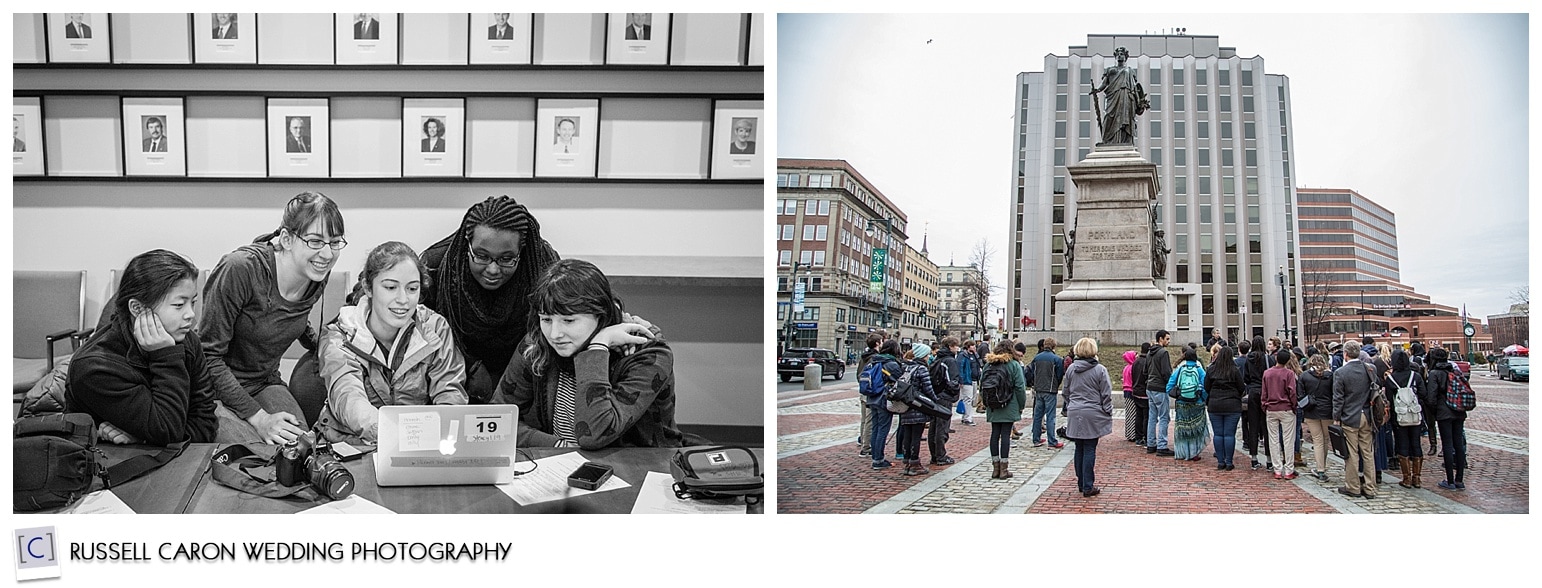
x: 435, y: 135
x: 390, y: 38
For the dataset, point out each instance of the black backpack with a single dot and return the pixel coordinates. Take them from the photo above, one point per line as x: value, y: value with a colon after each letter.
x: 57, y: 461
x: 995, y: 386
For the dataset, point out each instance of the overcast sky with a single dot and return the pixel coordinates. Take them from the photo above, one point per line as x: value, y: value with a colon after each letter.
x: 1423, y: 114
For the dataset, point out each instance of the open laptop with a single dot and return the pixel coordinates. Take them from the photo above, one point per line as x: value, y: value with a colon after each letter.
x: 439, y: 445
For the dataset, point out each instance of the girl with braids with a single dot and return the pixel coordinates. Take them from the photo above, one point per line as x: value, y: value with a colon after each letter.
x: 480, y: 279
x: 583, y: 376
x: 256, y: 304
x: 386, y: 349
x: 143, y: 374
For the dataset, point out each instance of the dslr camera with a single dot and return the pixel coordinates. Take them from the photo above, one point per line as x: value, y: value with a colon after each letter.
x: 309, y: 458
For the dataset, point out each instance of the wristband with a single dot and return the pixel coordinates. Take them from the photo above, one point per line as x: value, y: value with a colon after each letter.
x: 599, y: 346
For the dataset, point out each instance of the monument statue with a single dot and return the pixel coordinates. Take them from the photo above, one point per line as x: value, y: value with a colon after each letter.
x: 1125, y: 99
x: 1070, y: 251
x: 1159, y: 249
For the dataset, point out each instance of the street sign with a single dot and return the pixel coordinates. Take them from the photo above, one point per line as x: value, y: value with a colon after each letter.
x: 1468, y: 330
x: 806, y: 325
x: 875, y: 275
x: 797, y: 297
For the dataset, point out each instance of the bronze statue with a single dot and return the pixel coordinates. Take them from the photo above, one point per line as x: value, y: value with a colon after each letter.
x: 1125, y: 98
x: 1070, y: 251
x: 1159, y: 253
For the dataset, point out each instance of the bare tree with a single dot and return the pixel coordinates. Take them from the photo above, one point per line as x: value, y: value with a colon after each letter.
x: 1320, y: 307
x: 1522, y: 296
x: 978, y: 287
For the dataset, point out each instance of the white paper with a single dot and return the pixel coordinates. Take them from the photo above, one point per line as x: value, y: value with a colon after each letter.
x: 418, y: 431
x: 351, y: 505
x: 657, y: 497
x: 101, y: 502
x: 549, y: 481
x: 486, y: 428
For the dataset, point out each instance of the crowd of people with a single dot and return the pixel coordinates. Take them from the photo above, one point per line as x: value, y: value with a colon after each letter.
x: 1376, y: 401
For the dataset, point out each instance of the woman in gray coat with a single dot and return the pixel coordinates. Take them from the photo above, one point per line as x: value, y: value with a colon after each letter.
x: 1090, y: 409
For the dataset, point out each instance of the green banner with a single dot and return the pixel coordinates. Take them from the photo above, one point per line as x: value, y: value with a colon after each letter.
x: 875, y: 276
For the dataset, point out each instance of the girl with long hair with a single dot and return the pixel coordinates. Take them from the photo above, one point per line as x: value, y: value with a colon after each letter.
x: 386, y: 349
x: 584, y: 377
x: 143, y: 375
x: 1316, y: 383
x: 256, y: 304
x: 1223, y: 381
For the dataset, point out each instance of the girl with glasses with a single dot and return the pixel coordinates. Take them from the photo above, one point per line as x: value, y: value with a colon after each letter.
x: 257, y: 303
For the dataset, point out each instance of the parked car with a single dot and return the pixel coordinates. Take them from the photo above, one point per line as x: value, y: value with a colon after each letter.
x: 791, y: 363
x: 1515, y: 368
x: 1464, y: 367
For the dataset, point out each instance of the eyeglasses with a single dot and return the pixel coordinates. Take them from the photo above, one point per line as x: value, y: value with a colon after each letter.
x: 507, y: 261
x: 317, y: 243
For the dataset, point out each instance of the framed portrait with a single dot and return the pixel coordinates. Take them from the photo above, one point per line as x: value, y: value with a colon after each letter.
x: 565, y: 137
x: 154, y: 137
x: 638, y: 38
x: 224, y: 37
x: 433, y: 137
x: 78, y: 37
x: 501, y: 37
x: 737, y: 151
x: 299, y: 130
x: 366, y: 38
x: 27, y: 136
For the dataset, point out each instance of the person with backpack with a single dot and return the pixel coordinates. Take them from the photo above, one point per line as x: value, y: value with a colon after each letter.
x: 1142, y: 405
x: 1186, y: 387
x: 865, y: 436
x: 1045, y: 373
x: 1419, y: 357
x: 1445, y: 380
x: 1278, y: 399
x: 1223, y: 384
x: 1003, y: 391
x: 1089, y: 411
x: 1352, y: 388
x: 1380, y: 354
x: 1316, y: 384
x: 881, y: 370
x: 913, y: 422
x: 1407, y: 417
x: 1159, y: 369
x: 946, y: 385
x: 968, y: 365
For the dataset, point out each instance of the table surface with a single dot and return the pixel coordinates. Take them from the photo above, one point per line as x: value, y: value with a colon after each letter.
x: 631, y: 464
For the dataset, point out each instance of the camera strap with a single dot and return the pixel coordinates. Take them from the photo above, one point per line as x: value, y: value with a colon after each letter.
x: 231, y: 467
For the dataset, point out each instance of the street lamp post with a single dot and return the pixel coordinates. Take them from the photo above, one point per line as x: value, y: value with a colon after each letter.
x: 1284, y: 306
x: 1361, y: 311
x: 888, y: 231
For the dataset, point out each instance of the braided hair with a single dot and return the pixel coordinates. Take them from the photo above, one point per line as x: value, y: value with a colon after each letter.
x: 489, y: 324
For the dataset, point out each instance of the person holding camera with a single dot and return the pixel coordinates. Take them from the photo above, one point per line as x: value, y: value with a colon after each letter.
x: 584, y: 377
x: 913, y: 422
x: 386, y: 349
x: 142, y: 376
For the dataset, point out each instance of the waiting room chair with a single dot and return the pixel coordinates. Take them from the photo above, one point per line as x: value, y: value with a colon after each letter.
x: 48, y: 307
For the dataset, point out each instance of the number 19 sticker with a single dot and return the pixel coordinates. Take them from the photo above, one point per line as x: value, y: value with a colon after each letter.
x: 483, y: 428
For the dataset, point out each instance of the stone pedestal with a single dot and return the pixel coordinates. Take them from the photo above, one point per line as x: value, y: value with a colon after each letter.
x: 1111, y: 287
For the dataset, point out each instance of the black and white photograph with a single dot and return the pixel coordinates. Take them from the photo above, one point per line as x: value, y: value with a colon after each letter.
x: 743, y: 141
x: 565, y: 131
x: 736, y: 152
x: 224, y: 26
x: 78, y: 37
x: 298, y: 133
x: 231, y: 38
x: 27, y: 136
x: 638, y: 38
x: 154, y: 137
x: 500, y: 38
x: 367, y: 38
x: 434, y: 137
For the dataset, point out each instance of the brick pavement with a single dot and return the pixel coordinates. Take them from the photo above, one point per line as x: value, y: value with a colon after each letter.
x: 819, y: 471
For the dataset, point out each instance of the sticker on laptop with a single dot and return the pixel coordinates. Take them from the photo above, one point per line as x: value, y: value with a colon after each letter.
x: 418, y: 431
x: 718, y: 458
x: 485, y: 428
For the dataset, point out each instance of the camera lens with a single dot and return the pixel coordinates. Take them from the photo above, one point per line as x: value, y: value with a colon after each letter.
x: 330, y: 476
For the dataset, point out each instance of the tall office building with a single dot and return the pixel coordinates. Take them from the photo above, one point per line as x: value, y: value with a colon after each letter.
x: 1219, y: 132
x: 960, y: 301
x: 1350, y: 281
x: 919, y: 321
x: 829, y: 221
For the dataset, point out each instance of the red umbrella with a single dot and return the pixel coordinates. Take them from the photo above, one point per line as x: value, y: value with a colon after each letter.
x: 1516, y: 350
